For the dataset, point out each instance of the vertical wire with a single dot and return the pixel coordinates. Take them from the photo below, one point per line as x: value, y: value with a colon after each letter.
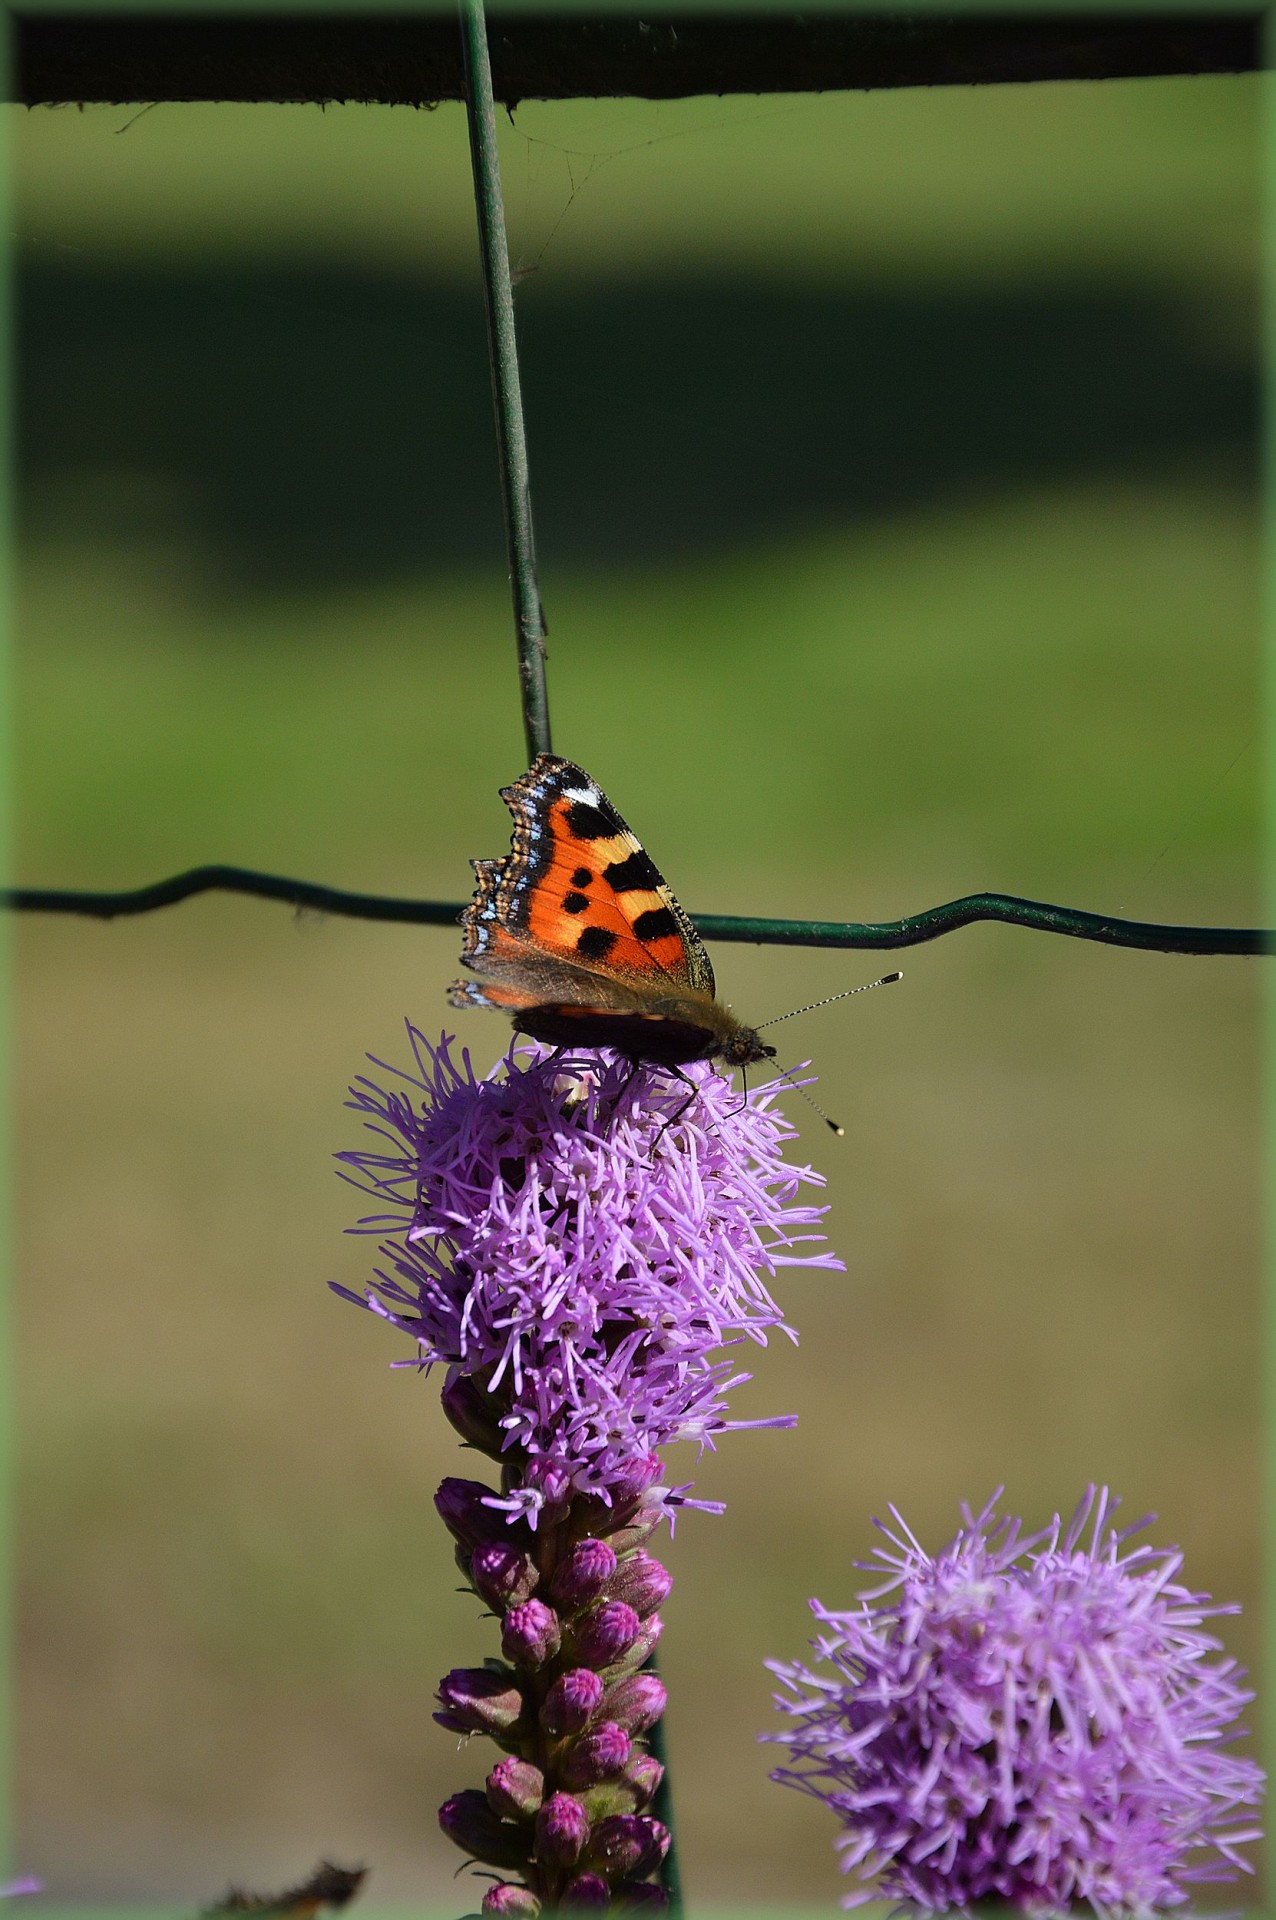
x: 529, y: 617
x: 507, y: 397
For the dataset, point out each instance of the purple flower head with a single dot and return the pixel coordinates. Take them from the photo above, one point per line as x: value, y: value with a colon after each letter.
x: 1041, y: 1722
x: 549, y: 1235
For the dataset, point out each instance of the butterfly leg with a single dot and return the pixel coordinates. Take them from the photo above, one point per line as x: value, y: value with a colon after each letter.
x: 744, y: 1082
x: 635, y: 1068
x: 675, y: 1073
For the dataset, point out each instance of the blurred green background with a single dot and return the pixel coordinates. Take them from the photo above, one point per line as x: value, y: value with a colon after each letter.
x: 894, y: 462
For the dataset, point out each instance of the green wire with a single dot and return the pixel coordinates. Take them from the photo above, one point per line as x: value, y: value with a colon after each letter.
x: 507, y: 397
x: 929, y: 925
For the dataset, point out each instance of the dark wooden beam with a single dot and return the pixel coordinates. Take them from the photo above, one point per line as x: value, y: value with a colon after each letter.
x: 415, y: 59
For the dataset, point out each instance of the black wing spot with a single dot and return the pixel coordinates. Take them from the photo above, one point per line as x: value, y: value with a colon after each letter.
x: 656, y: 924
x: 582, y: 877
x: 591, y: 823
x: 575, y: 902
x: 595, y: 943
x: 635, y: 874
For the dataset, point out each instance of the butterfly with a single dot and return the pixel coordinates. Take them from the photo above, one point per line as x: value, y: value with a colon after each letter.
x: 576, y: 935
x: 328, y: 1886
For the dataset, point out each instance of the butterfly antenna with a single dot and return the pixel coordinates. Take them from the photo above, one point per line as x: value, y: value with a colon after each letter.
x: 786, y: 1073
x: 886, y: 980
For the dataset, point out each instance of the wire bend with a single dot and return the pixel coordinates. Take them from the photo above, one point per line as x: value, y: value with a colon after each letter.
x: 931, y: 924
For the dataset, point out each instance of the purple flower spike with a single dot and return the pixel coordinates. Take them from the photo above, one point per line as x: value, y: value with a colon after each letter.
x: 643, y: 1583
x: 514, y: 1902
x: 597, y: 1756
x: 519, y: 1222
x: 587, y: 1274
x: 606, y: 1634
x: 589, y: 1891
x: 562, y: 1828
x: 531, y: 1635
x: 1034, y: 1722
x: 571, y: 1702
x: 583, y: 1574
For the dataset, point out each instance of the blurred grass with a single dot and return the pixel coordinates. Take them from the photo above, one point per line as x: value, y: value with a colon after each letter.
x: 1075, y: 649
x: 1136, y: 177
x: 235, y: 1597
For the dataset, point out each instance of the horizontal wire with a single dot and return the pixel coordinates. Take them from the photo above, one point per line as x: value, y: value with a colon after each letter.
x: 1074, y: 921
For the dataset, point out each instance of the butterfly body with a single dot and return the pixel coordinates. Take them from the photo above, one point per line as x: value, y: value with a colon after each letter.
x: 576, y: 935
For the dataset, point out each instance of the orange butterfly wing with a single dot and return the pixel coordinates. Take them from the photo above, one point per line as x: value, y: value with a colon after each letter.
x: 577, y: 894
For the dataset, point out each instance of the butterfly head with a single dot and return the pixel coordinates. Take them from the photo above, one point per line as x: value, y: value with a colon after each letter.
x: 742, y: 1046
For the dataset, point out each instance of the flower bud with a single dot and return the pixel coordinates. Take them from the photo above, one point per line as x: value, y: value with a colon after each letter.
x: 474, y: 1414
x: 502, y: 1574
x: 639, y: 1528
x: 642, y: 1776
x: 590, y: 1514
x: 641, y: 1897
x: 628, y: 1845
x: 642, y: 1582
x: 551, y: 1480
x: 531, y: 1635
x: 606, y: 1634
x: 587, y: 1890
x: 582, y: 1576
x: 515, y: 1788
x: 562, y: 1828
x: 459, y: 1505
x: 514, y: 1902
x: 635, y: 1655
x: 571, y: 1702
x: 468, y: 1820
x: 598, y: 1755
x: 479, y: 1700
x: 640, y: 1473
x: 637, y: 1701
x: 629, y: 1792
